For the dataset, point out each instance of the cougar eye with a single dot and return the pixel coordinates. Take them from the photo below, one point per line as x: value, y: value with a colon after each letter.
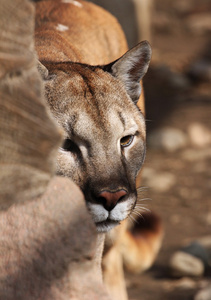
x: 126, y: 140
x: 71, y: 146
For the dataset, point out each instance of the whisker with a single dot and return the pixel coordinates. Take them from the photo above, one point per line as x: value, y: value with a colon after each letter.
x: 143, y: 208
x: 138, y: 214
x: 141, y: 205
x: 133, y: 219
x: 130, y: 220
x: 144, y: 199
x: 142, y: 188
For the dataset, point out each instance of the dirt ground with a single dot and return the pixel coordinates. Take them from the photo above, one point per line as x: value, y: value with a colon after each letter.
x: 174, y: 99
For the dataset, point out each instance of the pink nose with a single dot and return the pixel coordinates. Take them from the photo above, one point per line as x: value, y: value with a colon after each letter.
x: 110, y: 199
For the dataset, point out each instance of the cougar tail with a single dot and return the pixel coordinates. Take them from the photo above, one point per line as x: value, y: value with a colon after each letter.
x: 141, y: 244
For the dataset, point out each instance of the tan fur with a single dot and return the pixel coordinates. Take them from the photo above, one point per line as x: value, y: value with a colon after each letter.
x: 144, y: 240
x: 96, y: 108
x: 78, y: 43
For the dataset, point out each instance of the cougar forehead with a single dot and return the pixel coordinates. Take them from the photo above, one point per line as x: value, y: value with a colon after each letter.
x: 88, y: 101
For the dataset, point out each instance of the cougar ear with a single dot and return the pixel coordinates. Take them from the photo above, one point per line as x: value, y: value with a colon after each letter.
x: 42, y: 70
x: 131, y: 67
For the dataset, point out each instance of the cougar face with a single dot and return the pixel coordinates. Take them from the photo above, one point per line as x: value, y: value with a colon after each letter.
x: 104, y: 137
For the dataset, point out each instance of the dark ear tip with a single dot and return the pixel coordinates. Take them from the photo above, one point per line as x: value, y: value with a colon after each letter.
x: 145, y: 42
x: 146, y: 47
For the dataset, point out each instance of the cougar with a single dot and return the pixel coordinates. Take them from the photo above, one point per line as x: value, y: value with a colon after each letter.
x: 93, y: 89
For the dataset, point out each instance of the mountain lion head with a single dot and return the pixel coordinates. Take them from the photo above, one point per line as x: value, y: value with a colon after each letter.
x: 104, y: 130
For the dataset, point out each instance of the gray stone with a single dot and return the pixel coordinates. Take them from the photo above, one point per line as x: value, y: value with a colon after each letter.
x: 201, y: 70
x: 205, y: 241
x: 182, y: 6
x: 199, y: 23
x: 186, y: 283
x: 161, y: 182
x: 199, y: 135
x: 168, y: 138
x: 204, y: 294
x: 183, y: 264
x: 50, y: 242
x: 197, y: 250
x: 196, y: 155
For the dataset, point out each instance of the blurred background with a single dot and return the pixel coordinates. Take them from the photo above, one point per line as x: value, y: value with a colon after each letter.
x: 177, y: 171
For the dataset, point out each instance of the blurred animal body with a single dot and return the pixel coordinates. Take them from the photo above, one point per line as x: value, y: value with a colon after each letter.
x: 93, y: 89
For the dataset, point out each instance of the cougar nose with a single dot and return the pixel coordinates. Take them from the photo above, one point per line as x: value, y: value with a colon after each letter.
x: 110, y: 199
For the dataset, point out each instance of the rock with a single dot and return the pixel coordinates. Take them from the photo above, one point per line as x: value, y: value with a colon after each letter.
x: 174, y: 80
x: 169, y: 139
x: 199, y: 135
x: 50, y: 242
x: 179, y: 81
x: 186, y: 283
x: 197, y: 250
x: 204, y: 294
x: 199, y: 23
x: 195, y: 155
x: 161, y: 182
x: 200, y: 167
x: 182, y: 7
x: 208, y: 218
x: 184, y: 264
x: 148, y: 173
x: 205, y: 241
x: 175, y: 219
x: 201, y: 70
x: 161, y: 22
